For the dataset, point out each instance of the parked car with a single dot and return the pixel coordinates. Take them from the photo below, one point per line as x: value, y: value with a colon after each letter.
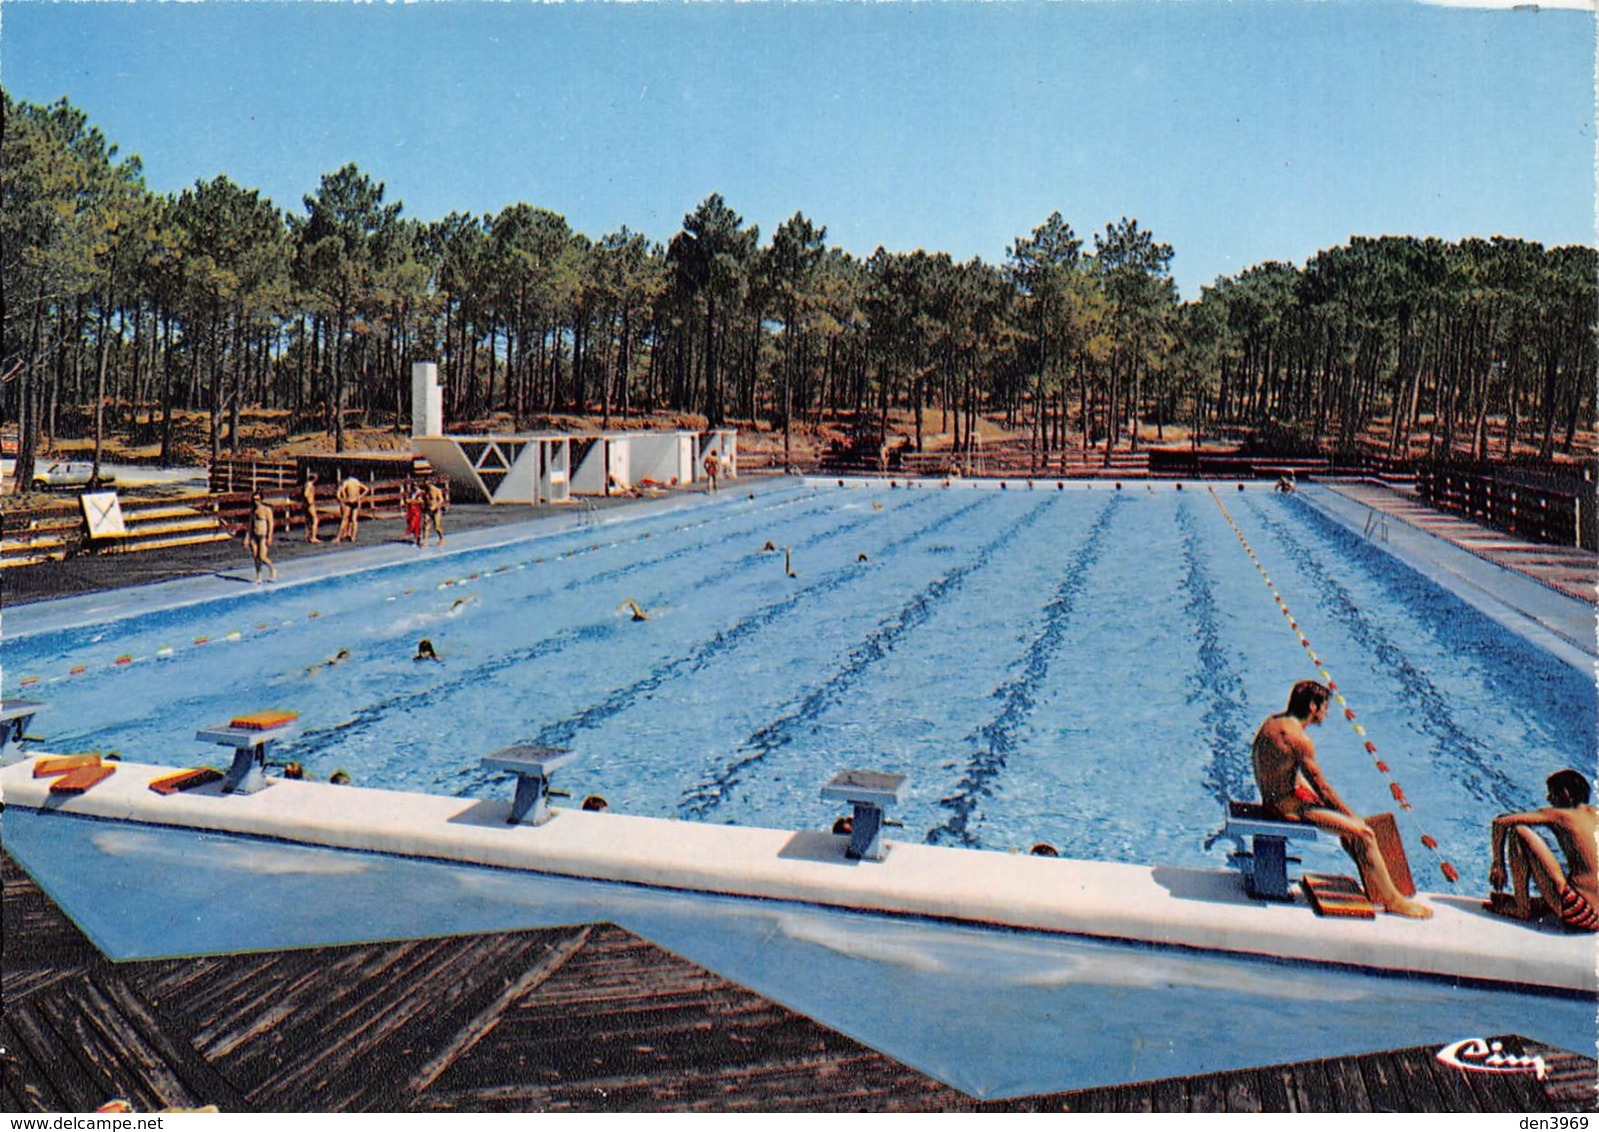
x: 69, y: 473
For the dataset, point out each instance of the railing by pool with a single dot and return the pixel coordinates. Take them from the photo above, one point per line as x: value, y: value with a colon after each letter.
x: 1541, y: 514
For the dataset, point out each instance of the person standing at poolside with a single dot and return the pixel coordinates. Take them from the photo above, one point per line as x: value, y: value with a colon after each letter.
x: 349, y: 495
x: 1293, y: 788
x: 713, y: 468
x: 1572, y: 892
x: 258, y: 535
x: 413, y: 513
x: 434, y: 504
x: 308, y: 497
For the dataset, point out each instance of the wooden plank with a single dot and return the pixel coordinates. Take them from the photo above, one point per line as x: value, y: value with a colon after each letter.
x: 198, y: 1083
x: 1571, y: 1080
x: 1168, y: 1096
x: 82, y: 779
x: 86, y: 1074
x: 1524, y: 1091
x: 1308, y: 1086
x: 27, y: 1084
x: 1383, y: 1083
x: 1346, y: 1089
x: 143, y: 1074
x: 1423, y: 1089
x: 1207, y: 1094
x: 1393, y: 851
x: 487, y: 1017
x: 1336, y: 896
x: 1254, y: 1090
x: 401, y: 1005
x: 1442, y: 1082
x: 424, y: 1022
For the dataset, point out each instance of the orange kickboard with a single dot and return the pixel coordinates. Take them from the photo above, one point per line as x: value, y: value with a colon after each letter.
x: 77, y: 781
x: 1337, y: 896
x: 61, y: 764
x: 185, y: 780
x: 263, y: 720
x: 1393, y: 852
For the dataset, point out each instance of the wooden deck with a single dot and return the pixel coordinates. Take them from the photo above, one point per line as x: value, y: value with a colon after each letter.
x: 1569, y: 569
x: 586, y: 1018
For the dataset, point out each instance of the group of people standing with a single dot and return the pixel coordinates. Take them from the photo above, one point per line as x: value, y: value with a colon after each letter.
x: 425, y: 505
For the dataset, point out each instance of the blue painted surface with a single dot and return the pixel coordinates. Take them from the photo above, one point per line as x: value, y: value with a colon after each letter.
x: 994, y: 1013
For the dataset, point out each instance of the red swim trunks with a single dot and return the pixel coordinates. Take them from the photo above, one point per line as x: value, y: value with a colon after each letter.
x: 1576, y: 912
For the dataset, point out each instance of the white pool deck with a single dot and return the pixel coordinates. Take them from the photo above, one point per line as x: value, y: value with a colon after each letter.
x: 1193, y: 908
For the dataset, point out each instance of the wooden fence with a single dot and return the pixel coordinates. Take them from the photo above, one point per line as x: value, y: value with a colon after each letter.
x: 1541, y: 514
x: 239, y: 473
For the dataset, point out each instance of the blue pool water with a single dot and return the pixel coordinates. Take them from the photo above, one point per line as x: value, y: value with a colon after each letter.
x: 1083, y: 667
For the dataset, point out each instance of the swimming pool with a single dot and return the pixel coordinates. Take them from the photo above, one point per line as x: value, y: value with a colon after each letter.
x: 1083, y: 667
x: 1079, y: 666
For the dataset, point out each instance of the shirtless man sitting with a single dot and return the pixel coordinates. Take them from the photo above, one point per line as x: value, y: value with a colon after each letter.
x: 1572, y: 892
x: 1293, y: 788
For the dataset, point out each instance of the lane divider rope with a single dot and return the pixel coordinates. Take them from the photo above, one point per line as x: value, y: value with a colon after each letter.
x: 1448, y: 870
x: 168, y: 652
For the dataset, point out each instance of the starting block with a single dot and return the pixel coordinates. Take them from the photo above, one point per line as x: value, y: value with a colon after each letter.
x: 250, y: 743
x: 1262, y: 848
x: 869, y: 792
x: 532, y: 766
x: 16, y: 716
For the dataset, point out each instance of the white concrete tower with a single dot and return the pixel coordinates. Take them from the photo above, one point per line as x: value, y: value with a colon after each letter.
x: 427, y: 400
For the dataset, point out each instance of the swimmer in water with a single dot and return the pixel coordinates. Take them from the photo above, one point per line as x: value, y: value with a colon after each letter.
x: 595, y: 804
x: 769, y: 548
x: 638, y: 614
x: 461, y: 602
x: 424, y: 651
x: 337, y: 658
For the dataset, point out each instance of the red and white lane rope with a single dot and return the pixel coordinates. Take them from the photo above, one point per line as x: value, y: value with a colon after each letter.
x: 1448, y: 870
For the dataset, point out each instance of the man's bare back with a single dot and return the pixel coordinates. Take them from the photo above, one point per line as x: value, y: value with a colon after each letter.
x: 1573, y: 891
x: 1293, y: 787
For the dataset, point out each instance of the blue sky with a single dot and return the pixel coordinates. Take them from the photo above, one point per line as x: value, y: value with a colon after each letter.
x: 1237, y: 132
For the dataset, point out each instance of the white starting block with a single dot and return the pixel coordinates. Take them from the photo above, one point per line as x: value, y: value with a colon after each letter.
x: 1262, y: 848
x: 16, y: 716
x: 869, y: 792
x: 250, y: 744
x: 532, y: 766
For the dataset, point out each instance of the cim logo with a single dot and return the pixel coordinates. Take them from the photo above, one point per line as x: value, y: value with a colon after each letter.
x: 1479, y: 1055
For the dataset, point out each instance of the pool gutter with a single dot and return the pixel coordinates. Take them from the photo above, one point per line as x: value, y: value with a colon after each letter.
x: 1560, y: 625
